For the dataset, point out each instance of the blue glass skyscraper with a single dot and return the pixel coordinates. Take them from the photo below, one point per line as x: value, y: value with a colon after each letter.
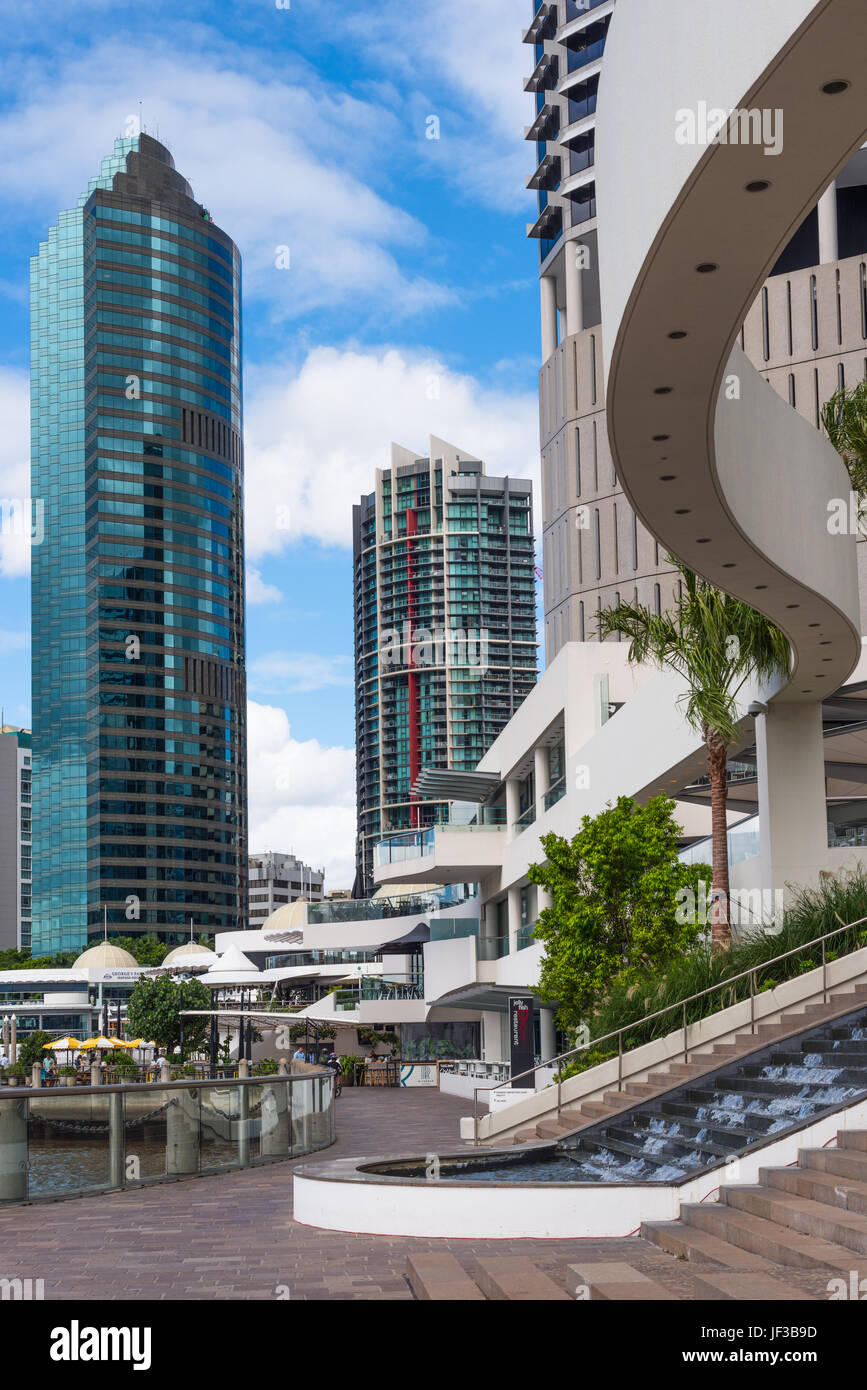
x: 139, y: 748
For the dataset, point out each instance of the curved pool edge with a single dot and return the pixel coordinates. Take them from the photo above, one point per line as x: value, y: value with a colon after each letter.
x: 338, y: 1195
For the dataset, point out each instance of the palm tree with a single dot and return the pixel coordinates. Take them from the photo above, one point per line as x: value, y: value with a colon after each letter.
x: 715, y: 643
x: 845, y: 419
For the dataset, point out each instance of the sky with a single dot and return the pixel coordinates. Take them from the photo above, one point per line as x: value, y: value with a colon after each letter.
x: 390, y: 293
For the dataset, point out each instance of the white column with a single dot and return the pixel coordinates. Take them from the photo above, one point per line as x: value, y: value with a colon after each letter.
x: 492, y: 1037
x: 574, y: 290
x: 514, y: 918
x: 829, y: 248
x: 542, y: 775
x: 793, y: 833
x: 491, y: 921
x: 513, y: 805
x: 548, y: 291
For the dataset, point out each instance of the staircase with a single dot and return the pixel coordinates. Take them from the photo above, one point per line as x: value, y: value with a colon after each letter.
x: 690, y: 1115
x: 799, y: 1236
x: 812, y: 1216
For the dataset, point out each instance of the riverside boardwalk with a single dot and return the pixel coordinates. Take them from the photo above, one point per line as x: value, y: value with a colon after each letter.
x: 233, y: 1236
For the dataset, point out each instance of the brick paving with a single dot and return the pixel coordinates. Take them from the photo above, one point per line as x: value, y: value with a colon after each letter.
x: 233, y: 1236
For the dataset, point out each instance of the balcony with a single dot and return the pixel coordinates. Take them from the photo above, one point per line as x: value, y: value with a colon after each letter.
x: 525, y: 819
x: 547, y: 175
x: 555, y: 793
x: 545, y: 126
x: 544, y: 24
x: 453, y: 852
x: 544, y: 76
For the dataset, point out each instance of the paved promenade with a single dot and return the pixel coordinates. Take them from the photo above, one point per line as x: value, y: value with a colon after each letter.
x: 233, y: 1237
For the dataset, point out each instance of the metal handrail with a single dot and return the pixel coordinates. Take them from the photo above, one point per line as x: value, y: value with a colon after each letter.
x: 658, y: 1013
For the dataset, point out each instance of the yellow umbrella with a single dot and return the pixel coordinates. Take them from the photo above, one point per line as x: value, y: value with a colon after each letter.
x: 63, y: 1045
x: 121, y: 1042
x: 99, y: 1042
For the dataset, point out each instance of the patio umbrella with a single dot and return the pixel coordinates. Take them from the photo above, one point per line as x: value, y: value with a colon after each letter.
x: 121, y: 1042
x: 63, y: 1045
x: 99, y: 1042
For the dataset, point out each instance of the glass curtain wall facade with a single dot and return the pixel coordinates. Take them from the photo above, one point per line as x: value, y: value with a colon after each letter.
x: 139, y: 748
x: 445, y: 640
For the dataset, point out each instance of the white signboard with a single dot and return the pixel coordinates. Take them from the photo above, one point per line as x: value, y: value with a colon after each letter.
x: 498, y: 1100
x: 418, y: 1074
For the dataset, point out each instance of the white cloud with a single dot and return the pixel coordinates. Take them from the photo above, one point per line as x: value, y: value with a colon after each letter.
x: 15, y: 522
x: 290, y: 673
x: 259, y: 591
x: 465, y: 63
x: 315, y: 437
x: 250, y: 144
x: 301, y: 796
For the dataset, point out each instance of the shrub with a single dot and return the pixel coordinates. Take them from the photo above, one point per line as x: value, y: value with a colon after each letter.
x: 66, y: 1071
x: 267, y: 1067
x: 32, y: 1047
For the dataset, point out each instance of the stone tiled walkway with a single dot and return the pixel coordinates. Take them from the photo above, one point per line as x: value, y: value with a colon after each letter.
x: 233, y: 1237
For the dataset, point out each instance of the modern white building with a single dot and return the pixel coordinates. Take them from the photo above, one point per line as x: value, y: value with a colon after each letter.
x: 276, y: 879
x: 15, y: 837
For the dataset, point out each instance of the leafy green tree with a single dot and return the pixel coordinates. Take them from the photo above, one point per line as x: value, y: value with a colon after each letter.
x: 32, y: 1048
x: 715, y: 644
x: 147, y: 950
x: 845, y: 419
x: 153, y: 1011
x: 614, y: 903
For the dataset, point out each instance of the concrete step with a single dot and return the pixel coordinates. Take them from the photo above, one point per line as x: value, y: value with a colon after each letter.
x: 689, y: 1243
x: 553, y: 1129
x: 834, y: 1191
x: 641, y: 1089
x: 615, y: 1280
x: 676, y: 1073
x: 749, y: 1285
x: 593, y: 1110
x: 780, y: 1244
x: 810, y: 1218
x: 852, y: 1139
x: 619, y: 1098
x: 523, y: 1136
x: 844, y: 1163
x: 438, y: 1278
x: 514, y: 1278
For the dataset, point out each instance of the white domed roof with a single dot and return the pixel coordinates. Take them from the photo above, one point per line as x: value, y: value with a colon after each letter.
x: 106, y: 956
x: 289, y: 917
x: 191, y: 954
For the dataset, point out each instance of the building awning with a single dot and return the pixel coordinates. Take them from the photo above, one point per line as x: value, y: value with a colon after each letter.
x: 450, y: 784
x: 493, y: 998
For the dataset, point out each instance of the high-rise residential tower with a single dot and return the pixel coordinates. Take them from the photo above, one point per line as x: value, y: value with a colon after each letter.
x: 807, y: 332
x: 139, y: 753
x: 445, y: 630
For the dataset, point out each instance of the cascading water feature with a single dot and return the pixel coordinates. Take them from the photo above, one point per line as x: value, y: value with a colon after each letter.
x: 697, y: 1126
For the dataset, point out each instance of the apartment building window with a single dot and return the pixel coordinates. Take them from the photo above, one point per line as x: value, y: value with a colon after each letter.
x: 863, y: 300
x: 616, y: 543
x: 634, y: 541
x: 598, y: 542
x: 841, y: 376
x: 578, y: 459
x: 766, y: 327
x: 595, y: 459
x: 839, y: 313
x: 593, y: 368
x: 814, y: 311
x: 792, y: 396
x: 580, y: 622
x: 657, y: 600
x: 791, y: 339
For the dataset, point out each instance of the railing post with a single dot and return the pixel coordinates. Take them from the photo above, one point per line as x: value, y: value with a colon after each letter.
x: 752, y: 1001
x: 476, y: 1114
x: 685, y: 1039
x: 559, y: 1091
x: 620, y: 1060
x: 115, y: 1139
x: 824, y: 974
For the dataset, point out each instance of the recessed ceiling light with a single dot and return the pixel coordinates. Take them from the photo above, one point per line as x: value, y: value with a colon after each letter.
x: 707, y: 268
x: 793, y: 605
x: 826, y: 642
x: 660, y: 438
x: 703, y: 540
x: 677, y: 335
x: 834, y: 89
x: 730, y: 565
x: 815, y: 625
x: 667, y: 477
x: 761, y: 586
x: 758, y: 186
x: 681, y: 511
x: 662, y: 390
